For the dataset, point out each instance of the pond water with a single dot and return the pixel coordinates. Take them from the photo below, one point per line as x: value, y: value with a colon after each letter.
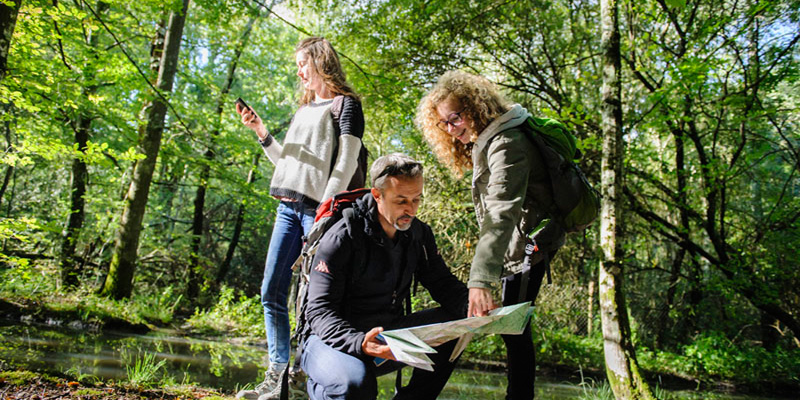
x: 223, y: 365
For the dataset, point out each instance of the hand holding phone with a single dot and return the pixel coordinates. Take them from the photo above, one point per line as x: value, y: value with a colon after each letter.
x: 248, y: 115
x: 250, y: 119
x: 242, y: 105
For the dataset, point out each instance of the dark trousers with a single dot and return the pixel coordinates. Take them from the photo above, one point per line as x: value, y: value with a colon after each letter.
x: 333, y: 374
x: 520, y: 353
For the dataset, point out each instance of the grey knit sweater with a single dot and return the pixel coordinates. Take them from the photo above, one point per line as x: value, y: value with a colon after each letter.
x: 303, y: 162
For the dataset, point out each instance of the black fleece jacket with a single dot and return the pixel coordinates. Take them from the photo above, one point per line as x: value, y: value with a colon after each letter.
x: 355, y: 286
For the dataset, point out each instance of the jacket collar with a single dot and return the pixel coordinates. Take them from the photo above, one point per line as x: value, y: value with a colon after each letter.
x: 515, y: 116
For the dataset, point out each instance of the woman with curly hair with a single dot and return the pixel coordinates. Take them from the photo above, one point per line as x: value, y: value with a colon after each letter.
x: 470, y: 125
x: 318, y: 158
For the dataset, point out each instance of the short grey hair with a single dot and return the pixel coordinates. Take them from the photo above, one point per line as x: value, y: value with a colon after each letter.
x: 396, y: 164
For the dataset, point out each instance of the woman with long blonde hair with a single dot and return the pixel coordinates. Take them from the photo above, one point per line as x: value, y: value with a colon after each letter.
x: 471, y: 125
x: 318, y: 158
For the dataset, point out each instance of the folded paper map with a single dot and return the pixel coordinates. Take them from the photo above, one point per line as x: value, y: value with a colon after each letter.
x: 410, y: 345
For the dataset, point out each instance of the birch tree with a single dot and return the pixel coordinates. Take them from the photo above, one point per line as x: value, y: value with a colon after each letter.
x: 622, y: 368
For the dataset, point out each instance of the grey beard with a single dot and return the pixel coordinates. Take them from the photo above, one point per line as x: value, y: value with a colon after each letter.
x: 407, y: 226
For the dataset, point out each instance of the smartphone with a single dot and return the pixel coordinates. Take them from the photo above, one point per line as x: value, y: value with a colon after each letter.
x: 242, y: 104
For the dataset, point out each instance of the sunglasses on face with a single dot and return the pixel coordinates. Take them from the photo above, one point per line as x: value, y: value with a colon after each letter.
x: 453, y: 120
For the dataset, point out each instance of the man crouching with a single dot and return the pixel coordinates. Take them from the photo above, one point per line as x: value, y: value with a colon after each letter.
x: 362, y: 275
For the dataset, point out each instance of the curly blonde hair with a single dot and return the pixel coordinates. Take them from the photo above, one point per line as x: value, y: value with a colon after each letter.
x: 481, y: 101
x: 325, y: 63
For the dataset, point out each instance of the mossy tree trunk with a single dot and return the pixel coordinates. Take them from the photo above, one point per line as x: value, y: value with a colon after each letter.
x: 119, y: 281
x: 621, y: 366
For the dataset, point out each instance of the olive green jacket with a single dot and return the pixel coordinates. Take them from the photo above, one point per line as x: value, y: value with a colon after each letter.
x: 511, y: 192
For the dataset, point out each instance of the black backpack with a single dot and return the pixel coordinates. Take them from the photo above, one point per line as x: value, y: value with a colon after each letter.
x: 577, y: 201
x: 328, y: 213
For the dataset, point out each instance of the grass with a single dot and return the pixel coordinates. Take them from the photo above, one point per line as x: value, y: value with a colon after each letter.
x: 144, y: 371
x: 18, y: 377
x: 594, y: 391
x: 76, y: 373
x: 27, y: 284
x: 87, y: 392
x: 233, y: 313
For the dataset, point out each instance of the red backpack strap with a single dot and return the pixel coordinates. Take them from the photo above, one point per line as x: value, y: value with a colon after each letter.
x: 338, y: 202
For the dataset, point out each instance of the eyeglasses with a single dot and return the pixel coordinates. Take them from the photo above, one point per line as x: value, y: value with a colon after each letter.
x: 453, y: 120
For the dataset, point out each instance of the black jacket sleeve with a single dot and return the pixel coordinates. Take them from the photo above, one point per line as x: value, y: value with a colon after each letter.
x: 435, y: 276
x: 326, y: 293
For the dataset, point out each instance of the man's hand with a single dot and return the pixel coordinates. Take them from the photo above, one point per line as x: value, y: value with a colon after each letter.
x: 372, y: 346
x: 480, y: 302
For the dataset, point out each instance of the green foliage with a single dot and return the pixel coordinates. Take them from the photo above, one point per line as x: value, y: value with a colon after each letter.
x: 711, y: 241
x: 143, y: 371
x: 561, y: 347
x: 160, y: 307
x: 486, y: 347
x: 76, y: 373
x: 234, y: 313
x: 37, y: 284
x: 18, y: 377
x: 596, y: 391
x: 712, y: 356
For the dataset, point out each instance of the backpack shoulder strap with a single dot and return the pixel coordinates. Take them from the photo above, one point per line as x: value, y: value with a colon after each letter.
x: 336, y: 108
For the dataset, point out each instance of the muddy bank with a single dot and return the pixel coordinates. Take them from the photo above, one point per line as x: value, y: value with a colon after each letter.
x: 31, y: 312
x: 30, y: 385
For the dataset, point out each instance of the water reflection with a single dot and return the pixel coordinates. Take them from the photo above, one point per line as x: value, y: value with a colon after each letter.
x: 229, y: 366
x: 221, y: 365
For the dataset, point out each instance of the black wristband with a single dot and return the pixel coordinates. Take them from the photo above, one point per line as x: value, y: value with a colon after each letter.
x: 266, y: 141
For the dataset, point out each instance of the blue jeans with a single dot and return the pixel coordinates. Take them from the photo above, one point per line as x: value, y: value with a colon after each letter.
x: 293, y: 220
x: 333, y: 374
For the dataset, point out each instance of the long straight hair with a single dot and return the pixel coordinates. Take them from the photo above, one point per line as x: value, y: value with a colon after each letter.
x: 325, y: 63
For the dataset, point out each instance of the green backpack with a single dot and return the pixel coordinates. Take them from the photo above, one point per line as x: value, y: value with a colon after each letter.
x: 577, y: 201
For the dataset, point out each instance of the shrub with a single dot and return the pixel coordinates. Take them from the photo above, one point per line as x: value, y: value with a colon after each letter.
x: 240, y: 315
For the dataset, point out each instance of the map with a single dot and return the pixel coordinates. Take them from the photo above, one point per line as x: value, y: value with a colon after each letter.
x: 410, y: 345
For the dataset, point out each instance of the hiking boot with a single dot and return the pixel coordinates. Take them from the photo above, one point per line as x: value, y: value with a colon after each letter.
x: 296, y: 389
x: 297, y: 384
x: 272, y: 381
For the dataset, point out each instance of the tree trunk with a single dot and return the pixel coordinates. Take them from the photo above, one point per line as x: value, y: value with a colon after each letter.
x: 590, y: 306
x: 198, y: 222
x: 70, y: 268
x: 9, y: 149
x: 8, y: 20
x: 622, y: 368
x: 677, y: 263
x: 70, y: 264
x: 119, y: 281
x: 237, y: 228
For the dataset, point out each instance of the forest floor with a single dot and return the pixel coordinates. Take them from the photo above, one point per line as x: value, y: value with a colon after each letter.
x: 37, y: 386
